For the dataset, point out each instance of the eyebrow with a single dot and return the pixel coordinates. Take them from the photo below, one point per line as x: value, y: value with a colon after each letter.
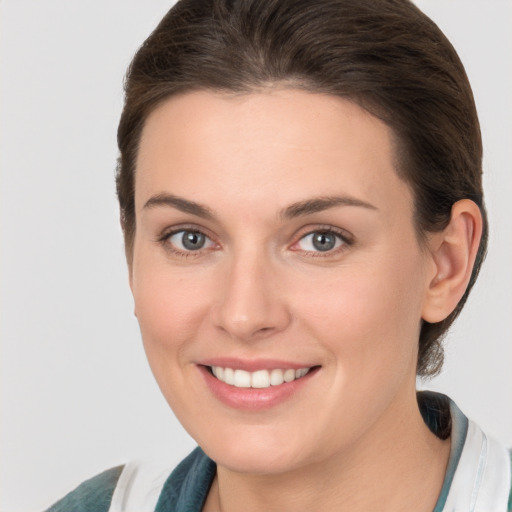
x: 298, y: 209
x: 181, y: 204
x: 320, y: 204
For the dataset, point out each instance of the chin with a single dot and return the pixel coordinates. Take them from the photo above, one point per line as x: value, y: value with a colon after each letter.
x: 254, y: 461
x: 252, y: 452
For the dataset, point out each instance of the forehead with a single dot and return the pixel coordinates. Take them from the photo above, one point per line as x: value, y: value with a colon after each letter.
x: 266, y: 147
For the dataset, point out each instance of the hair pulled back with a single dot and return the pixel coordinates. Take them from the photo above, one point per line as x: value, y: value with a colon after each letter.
x: 384, y: 55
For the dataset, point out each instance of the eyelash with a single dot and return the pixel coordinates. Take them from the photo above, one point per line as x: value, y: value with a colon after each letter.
x: 345, y: 239
x: 164, y: 239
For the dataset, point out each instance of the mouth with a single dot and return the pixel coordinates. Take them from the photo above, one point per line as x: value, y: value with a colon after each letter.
x: 260, y: 379
x: 256, y: 385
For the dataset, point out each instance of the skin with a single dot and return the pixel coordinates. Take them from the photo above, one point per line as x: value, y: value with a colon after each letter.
x: 259, y: 289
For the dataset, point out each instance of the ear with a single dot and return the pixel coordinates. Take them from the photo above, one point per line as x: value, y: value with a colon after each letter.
x: 453, y: 252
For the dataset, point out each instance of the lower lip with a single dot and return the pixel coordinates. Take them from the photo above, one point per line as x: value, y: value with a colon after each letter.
x: 254, y: 399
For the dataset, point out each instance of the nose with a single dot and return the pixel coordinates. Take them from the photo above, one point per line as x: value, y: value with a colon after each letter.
x: 251, y: 301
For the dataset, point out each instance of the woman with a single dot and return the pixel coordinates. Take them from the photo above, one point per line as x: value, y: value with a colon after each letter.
x: 301, y: 199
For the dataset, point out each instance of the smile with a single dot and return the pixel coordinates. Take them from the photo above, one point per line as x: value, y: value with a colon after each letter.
x: 259, y: 379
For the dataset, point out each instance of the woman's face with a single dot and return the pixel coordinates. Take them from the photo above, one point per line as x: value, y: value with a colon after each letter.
x: 274, y: 235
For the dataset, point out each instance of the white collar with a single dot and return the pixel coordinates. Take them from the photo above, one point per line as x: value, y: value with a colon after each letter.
x: 479, y: 471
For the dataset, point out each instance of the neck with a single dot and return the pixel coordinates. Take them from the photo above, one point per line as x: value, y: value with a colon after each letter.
x: 384, y: 470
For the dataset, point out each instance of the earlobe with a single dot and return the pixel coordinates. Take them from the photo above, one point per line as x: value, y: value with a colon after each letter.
x: 453, y: 252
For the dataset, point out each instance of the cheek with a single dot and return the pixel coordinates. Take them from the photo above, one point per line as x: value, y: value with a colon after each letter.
x: 170, y: 307
x: 370, y: 316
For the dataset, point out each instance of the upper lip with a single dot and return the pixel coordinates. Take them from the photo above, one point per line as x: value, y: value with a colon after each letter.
x: 253, y: 365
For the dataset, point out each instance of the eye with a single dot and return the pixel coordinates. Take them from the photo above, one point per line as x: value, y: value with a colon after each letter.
x: 320, y: 241
x: 187, y: 240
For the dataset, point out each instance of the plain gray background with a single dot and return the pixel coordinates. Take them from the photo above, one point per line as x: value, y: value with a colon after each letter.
x: 77, y: 395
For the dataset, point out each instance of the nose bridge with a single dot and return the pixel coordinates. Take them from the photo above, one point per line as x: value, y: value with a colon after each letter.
x: 250, y: 302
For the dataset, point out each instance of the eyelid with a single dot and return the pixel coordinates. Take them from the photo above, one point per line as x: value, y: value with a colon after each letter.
x: 346, y: 238
x: 207, y: 241
x: 164, y: 237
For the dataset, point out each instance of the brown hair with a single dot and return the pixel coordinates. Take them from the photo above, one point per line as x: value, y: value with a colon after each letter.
x: 385, y: 55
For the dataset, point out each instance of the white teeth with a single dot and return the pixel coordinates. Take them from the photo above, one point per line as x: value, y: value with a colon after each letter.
x: 242, y: 379
x: 276, y: 377
x: 258, y: 379
x: 229, y: 376
x: 289, y: 375
x: 301, y: 372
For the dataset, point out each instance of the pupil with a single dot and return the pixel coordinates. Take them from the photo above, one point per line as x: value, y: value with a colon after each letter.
x: 324, y: 241
x: 193, y: 241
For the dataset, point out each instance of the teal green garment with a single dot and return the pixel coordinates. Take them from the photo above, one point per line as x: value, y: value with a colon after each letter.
x: 93, y: 495
x: 433, y: 407
x: 184, y: 491
x: 187, y: 487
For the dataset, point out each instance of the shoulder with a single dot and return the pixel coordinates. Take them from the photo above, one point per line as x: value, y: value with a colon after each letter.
x: 188, y: 485
x: 145, y: 485
x: 152, y: 485
x: 479, y: 472
x: 93, y: 495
